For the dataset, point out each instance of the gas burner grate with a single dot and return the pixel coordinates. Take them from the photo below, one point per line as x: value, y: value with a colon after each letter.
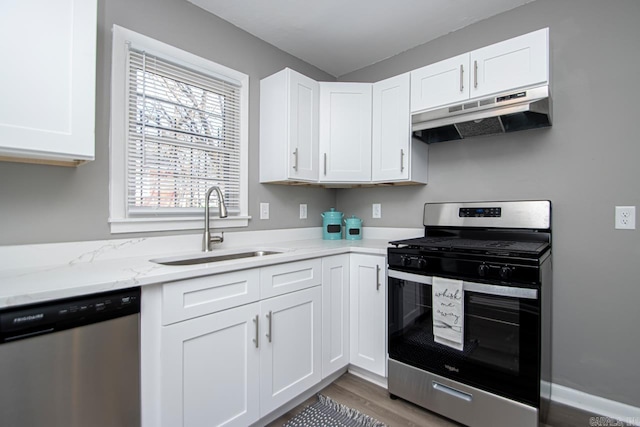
x: 462, y: 244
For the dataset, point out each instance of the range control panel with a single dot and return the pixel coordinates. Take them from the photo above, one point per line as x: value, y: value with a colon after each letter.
x: 480, y: 212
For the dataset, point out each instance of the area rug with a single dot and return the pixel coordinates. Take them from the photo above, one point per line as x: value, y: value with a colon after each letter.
x: 329, y: 413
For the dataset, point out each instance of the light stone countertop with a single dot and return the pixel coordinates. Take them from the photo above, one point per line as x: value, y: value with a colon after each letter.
x: 92, y: 272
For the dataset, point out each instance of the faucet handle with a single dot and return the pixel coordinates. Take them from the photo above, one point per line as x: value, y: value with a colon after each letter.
x: 217, y: 239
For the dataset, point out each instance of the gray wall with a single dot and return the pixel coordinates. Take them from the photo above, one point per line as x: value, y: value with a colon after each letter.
x: 585, y: 164
x: 41, y: 204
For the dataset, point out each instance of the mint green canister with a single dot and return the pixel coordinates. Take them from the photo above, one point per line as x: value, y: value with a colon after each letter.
x: 353, y: 228
x: 332, y: 224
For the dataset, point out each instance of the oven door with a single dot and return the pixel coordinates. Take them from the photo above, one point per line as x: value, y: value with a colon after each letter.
x: 501, y: 335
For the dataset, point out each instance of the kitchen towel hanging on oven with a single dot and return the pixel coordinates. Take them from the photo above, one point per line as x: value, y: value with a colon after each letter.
x: 448, y: 312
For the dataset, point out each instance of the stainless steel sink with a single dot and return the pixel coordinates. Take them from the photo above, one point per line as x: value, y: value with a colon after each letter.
x: 214, y: 258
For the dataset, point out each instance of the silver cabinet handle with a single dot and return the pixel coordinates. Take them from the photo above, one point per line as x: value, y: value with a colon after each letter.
x: 269, y: 316
x: 401, y: 160
x: 475, y: 74
x: 461, y: 77
x: 377, y: 277
x: 452, y: 391
x: 295, y: 162
x: 255, y: 340
x: 325, y: 163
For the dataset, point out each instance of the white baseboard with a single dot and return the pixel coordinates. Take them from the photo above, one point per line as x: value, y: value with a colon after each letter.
x: 595, y: 404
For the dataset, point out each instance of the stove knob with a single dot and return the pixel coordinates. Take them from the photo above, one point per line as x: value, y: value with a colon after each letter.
x: 406, y: 261
x: 483, y: 270
x: 505, y: 273
x: 422, y: 263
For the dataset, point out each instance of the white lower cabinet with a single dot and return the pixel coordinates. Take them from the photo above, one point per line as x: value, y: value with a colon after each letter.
x: 335, y: 313
x: 368, y: 312
x: 234, y: 366
x: 210, y: 370
x: 246, y: 356
x: 289, y: 346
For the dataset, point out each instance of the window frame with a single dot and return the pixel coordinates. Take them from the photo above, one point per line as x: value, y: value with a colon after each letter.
x: 120, y: 221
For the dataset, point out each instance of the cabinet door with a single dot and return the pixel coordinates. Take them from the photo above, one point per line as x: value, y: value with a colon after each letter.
x: 513, y: 63
x: 304, y: 94
x: 368, y: 312
x: 391, y: 136
x: 290, y: 346
x: 442, y: 83
x: 335, y: 313
x: 210, y: 370
x: 47, y: 101
x: 345, y: 132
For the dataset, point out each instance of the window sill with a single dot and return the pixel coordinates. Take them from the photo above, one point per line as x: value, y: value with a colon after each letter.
x: 135, y: 225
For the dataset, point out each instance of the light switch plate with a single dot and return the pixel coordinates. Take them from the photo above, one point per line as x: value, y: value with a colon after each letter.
x: 303, y: 211
x: 264, y: 210
x: 376, y: 210
x: 625, y: 217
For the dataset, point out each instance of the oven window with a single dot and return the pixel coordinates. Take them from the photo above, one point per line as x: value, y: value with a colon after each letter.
x: 500, y: 336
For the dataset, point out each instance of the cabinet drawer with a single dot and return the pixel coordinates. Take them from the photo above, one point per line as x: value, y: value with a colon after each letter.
x: 283, y: 278
x: 191, y: 298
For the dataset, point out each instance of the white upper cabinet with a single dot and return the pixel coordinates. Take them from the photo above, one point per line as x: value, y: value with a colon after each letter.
x: 288, y: 127
x: 511, y: 64
x: 345, y: 132
x: 441, y: 83
x: 47, y: 99
x: 395, y: 156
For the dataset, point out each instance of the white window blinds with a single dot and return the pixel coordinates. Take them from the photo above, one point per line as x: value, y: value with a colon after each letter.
x: 183, y: 137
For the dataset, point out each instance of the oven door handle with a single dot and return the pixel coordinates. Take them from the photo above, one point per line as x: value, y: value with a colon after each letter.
x: 481, y: 288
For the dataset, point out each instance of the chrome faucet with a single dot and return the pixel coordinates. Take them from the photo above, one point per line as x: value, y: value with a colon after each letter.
x: 207, y: 240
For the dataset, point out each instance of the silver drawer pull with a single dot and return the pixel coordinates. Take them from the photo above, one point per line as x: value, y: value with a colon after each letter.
x: 255, y: 340
x: 269, y: 316
x: 377, y: 277
x: 452, y: 391
x: 475, y: 74
x: 295, y: 164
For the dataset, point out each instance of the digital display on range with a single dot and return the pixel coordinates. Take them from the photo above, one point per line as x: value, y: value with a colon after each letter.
x: 480, y: 212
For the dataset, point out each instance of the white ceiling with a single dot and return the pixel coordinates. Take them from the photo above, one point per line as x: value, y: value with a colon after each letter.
x: 340, y: 36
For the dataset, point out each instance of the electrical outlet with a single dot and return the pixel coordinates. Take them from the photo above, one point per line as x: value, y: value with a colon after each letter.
x: 625, y: 217
x: 264, y: 210
x: 376, y: 210
x: 303, y: 211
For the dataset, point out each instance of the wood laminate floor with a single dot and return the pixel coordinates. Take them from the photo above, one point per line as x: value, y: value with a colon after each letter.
x: 374, y: 401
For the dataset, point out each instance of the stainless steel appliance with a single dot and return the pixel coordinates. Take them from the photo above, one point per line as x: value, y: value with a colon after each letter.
x: 72, y: 362
x: 520, y: 109
x: 500, y: 255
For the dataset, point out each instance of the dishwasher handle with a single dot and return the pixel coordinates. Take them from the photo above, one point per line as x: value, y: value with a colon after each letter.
x: 37, y: 319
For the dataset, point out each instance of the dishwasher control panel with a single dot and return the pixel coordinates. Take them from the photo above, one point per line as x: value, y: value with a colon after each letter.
x: 51, y: 316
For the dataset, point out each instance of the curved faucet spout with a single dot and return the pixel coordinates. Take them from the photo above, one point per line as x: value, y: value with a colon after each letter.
x: 223, y: 207
x: 207, y: 239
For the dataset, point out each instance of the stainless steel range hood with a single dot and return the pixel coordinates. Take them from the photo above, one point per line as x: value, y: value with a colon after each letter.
x: 521, y: 109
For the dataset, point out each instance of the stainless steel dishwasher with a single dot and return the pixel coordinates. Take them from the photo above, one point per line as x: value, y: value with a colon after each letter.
x: 72, y: 362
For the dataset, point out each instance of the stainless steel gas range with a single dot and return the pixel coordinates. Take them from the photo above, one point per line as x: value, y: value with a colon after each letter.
x: 469, y: 312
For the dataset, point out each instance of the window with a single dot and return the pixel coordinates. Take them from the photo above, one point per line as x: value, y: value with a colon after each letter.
x: 178, y: 126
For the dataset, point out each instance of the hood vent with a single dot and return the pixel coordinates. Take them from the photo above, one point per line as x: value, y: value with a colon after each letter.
x: 508, y: 112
